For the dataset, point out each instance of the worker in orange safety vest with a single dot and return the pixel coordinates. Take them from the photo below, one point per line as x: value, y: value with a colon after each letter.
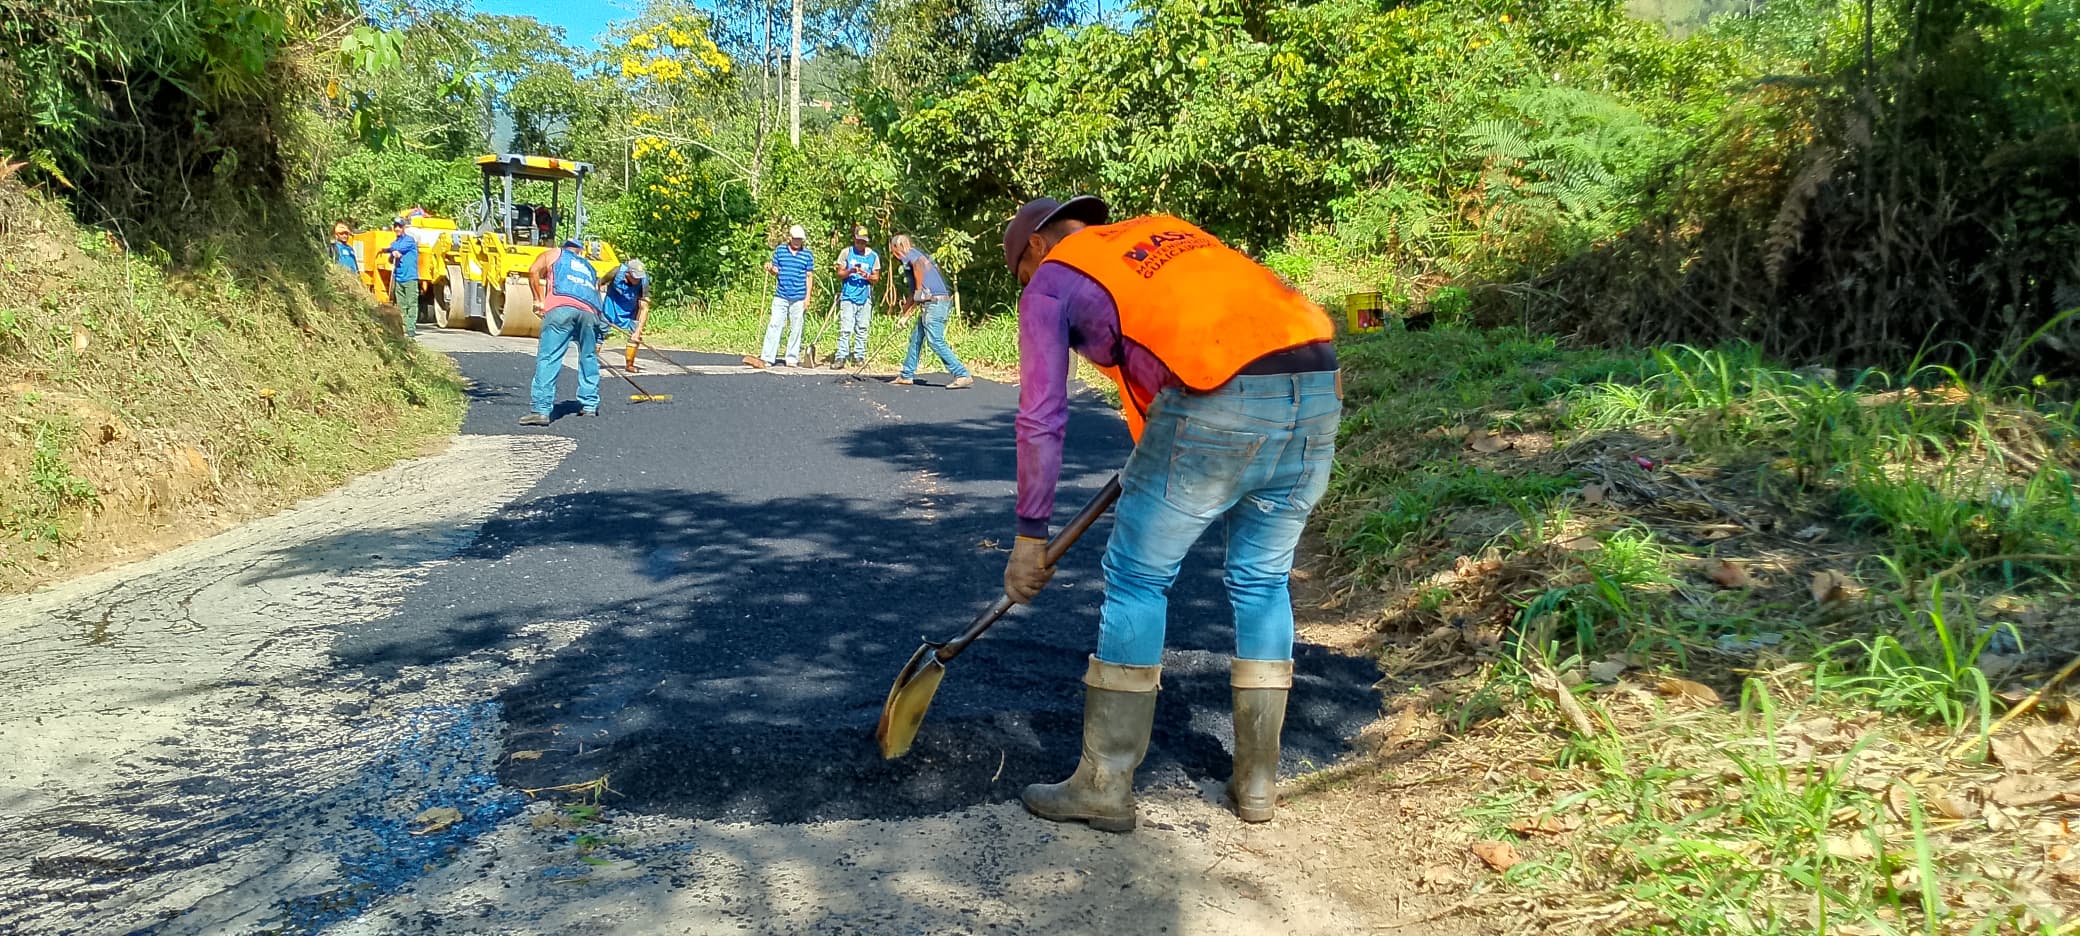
x: 1230, y: 387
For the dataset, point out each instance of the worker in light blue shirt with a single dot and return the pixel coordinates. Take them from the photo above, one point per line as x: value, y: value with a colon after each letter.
x: 860, y: 268
x: 404, y: 276
x: 791, y: 265
x: 625, y: 304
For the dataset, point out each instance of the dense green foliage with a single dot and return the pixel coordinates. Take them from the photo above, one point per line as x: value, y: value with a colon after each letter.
x: 148, y: 108
x: 1854, y: 181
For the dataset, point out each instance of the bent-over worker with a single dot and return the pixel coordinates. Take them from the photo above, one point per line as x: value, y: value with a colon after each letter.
x: 625, y: 304
x: 927, y: 289
x: 1229, y: 382
x: 566, y: 289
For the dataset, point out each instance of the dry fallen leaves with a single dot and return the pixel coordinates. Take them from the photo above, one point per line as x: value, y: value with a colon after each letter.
x: 436, y: 819
x: 1544, y: 825
x: 2024, y: 790
x: 1951, y: 807
x: 1831, y: 586
x: 1501, y: 856
x: 1854, y: 846
x: 1728, y: 574
x: 1686, y: 689
x: 2023, y: 750
x: 1485, y: 442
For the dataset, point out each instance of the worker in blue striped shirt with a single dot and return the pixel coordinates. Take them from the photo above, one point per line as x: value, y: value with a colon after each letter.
x: 791, y: 265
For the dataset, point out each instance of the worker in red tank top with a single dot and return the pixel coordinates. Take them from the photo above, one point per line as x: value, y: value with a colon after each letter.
x: 1229, y: 382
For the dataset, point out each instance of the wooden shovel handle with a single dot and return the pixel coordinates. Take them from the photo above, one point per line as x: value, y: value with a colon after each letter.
x: 1057, y: 546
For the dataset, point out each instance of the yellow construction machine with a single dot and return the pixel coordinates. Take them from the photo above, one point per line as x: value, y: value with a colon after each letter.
x: 475, y: 276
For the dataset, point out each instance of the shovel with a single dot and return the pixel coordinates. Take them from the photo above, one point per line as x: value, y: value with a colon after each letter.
x: 912, y: 693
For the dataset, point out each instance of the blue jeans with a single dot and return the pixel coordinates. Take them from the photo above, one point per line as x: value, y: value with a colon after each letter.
x: 560, y: 327
x: 931, y: 328
x: 1255, y: 455
x: 852, y: 323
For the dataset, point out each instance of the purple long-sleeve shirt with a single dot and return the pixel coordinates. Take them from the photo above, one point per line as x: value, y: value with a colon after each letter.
x: 1063, y: 310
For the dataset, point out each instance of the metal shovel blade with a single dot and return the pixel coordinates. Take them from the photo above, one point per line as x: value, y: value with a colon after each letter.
x: 903, y: 713
x: 912, y: 693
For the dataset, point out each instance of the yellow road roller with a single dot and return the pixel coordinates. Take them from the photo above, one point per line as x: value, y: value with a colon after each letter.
x: 475, y: 275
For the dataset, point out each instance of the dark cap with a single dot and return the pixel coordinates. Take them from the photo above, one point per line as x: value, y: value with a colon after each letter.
x: 1041, y: 212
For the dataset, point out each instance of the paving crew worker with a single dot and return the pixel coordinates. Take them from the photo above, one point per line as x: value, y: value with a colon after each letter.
x: 928, y: 289
x: 860, y: 268
x: 343, y: 247
x: 1230, y: 386
x: 566, y: 289
x: 625, y: 304
x: 404, y: 277
x: 791, y: 265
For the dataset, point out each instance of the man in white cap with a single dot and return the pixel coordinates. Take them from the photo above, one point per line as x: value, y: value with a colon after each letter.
x: 791, y: 265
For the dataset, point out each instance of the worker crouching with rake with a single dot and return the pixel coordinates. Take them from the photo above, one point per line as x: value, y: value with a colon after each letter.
x: 1229, y: 382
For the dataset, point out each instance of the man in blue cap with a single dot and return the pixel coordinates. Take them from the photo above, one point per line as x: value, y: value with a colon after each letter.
x: 404, y: 277
x: 566, y: 289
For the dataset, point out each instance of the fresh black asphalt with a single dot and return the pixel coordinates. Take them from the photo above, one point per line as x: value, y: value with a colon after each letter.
x: 757, y: 558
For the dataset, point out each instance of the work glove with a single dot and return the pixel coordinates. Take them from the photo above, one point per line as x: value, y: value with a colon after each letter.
x: 1027, y: 572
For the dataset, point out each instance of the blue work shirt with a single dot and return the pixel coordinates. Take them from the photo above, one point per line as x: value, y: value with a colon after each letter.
x: 572, y: 282
x: 343, y: 254
x: 858, y: 290
x: 934, y: 284
x: 795, y: 266
x: 407, y: 252
x: 622, y: 297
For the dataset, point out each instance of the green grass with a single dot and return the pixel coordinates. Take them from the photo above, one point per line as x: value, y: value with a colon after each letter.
x: 735, y: 323
x: 1709, y: 822
x: 146, y: 396
x: 1938, y: 496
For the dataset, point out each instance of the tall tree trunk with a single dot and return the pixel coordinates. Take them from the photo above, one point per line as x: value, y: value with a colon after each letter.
x: 765, y: 97
x: 794, y: 82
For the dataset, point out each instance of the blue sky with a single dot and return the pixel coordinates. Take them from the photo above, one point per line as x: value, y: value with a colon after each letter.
x: 584, y: 20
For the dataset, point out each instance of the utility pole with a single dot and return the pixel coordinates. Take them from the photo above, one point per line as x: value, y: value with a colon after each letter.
x: 794, y: 82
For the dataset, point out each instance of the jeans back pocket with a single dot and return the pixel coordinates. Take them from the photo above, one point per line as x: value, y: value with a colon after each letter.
x: 1208, y: 466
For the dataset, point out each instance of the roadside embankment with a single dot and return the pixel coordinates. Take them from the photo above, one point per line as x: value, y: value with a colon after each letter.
x: 1686, y: 640
x: 144, y: 403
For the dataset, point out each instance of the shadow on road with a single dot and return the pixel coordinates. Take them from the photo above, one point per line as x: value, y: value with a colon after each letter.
x: 733, y: 650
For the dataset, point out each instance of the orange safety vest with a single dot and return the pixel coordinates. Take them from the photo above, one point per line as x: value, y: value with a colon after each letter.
x: 1201, y: 307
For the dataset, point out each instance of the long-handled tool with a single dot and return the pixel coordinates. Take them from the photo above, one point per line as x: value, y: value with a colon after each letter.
x: 825, y: 330
x: 867, y: 356
x: 912, y: 693
x: 641, y: 395
x: 634, y: 342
